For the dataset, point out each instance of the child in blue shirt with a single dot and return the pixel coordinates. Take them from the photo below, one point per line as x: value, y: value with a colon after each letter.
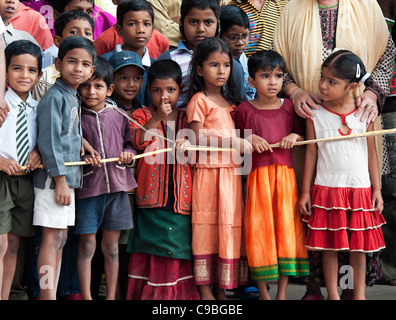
x: 60, y: 141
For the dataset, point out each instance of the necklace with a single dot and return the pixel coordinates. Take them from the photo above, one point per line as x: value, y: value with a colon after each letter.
x: 328, y: 7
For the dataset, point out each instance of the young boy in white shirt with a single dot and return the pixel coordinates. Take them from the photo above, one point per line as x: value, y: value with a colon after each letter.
x: 18, y: 148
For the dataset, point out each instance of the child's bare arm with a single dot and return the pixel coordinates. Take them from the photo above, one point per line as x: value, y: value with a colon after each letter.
x: 311, y: 154
x: 377, y: 201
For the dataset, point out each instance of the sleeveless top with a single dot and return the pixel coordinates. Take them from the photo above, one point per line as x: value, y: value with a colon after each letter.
x: 342, y: 163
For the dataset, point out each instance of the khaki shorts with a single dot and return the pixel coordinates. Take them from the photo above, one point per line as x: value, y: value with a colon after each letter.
x: 16, y: 209
x: 47, y: 213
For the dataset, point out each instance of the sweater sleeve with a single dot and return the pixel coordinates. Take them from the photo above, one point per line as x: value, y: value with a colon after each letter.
x: 49, y: 118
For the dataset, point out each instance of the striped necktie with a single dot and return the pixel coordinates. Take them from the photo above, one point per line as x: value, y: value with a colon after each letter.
x: 22, y: 138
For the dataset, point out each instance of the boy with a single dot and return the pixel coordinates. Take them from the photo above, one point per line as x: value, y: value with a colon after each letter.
x: 234, y: 30
x: 107, y: 40
x: 73, y: 23
x: 161, y: 238
x: 199, y: 19
x: 103, y: 200
x: 128, y: 80
x: 135, y: 23
x: 18, y: 147
x: 60, y: 141
x: 102, y: 19
x: 7, y: 11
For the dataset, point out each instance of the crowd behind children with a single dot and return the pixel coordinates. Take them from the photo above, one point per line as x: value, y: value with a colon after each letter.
x: 91, y: 102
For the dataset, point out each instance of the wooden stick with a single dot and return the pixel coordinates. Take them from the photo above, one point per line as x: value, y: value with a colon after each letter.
x: 276, y: 145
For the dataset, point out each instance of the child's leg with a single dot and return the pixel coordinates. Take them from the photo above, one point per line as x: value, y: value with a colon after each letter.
x: 330, y: 272
x: 3, y: 250
x: 357, y: 261
x: 282, y: 287
x: 86, y: 250
x: 10, y: 260
x: 110, y: 253
x: 49, y: 261
x: 220, y: 293
x: 206, y: 292
x: 263, y: 292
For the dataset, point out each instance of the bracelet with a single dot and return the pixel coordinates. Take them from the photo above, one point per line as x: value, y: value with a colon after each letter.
x: 294, y: 91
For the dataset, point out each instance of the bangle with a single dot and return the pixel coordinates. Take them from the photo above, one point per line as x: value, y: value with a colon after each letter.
x: 294, y: 91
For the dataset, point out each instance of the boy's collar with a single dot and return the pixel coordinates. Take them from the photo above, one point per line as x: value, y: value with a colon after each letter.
x: 65, y: 86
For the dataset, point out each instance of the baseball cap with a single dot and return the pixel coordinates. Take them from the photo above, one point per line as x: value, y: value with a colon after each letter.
x: 125, y: 58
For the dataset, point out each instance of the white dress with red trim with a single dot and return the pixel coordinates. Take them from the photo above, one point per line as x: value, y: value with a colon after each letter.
x: 342, y: 217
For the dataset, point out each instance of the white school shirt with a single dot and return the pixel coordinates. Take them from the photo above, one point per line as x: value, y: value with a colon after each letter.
x: 2, y: 27
x: 8, y: 147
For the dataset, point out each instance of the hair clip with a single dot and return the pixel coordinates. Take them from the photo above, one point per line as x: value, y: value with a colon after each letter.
x: 358, y: 71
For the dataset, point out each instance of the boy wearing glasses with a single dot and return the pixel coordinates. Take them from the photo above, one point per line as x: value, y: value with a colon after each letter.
x: 234, y: 29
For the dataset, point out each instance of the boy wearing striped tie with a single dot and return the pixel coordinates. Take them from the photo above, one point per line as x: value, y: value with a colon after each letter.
x: 18, y: 147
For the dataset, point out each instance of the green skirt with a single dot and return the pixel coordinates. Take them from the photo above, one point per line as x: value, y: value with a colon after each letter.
x: 161, y: 232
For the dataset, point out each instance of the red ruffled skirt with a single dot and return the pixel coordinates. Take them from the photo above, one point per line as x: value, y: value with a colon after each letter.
x: 344, y: 219
x: 152, y: 277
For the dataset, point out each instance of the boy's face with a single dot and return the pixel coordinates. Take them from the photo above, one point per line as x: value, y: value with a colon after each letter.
x: 8, y: 9
x: 166, y: 89
x: 268, y: 83
x: 197, y: 25
x: 127, y: 83
x: 237, y: 38
x: 22, y: 74
x: 78, y: 27
x: 137, y: 28
x: 94, y: 92
x: 76, y: 67
x: 80, y: 5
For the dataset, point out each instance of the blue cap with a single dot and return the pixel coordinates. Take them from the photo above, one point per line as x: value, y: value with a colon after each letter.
x: 125, y: 58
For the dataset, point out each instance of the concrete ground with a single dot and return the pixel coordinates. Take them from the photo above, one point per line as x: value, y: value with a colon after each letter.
x: 296, y: 291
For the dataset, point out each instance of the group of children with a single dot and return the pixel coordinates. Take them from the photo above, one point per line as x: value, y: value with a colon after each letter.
x: 191, y: 226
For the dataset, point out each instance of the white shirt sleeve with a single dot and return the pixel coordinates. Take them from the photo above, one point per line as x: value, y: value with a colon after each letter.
x: 2, y: 26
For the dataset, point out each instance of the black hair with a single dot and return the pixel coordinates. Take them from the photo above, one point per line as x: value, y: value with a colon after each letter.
x: 201, y: 54
x: 265, y: 60
x: 19, y: 47
x: 344, y: 64
x: 133, y: 5
x: 59, y: 5
x: 232, y: 15
x: 65, y: 17
x: 103, y: 71
x: 164, y: 69
x: 187, y: 5
x: 76, y: 42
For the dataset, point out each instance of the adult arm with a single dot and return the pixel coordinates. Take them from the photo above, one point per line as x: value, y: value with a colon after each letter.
x: 4, y: 109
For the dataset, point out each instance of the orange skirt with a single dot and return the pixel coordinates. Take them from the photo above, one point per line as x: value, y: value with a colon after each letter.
x: 274, y: 231
x: 217, y: 210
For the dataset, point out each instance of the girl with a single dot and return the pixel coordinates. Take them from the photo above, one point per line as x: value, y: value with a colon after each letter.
x: 217, y: 187
x: 275, y: 234
x: 343, y: 209
x: 160, y: 266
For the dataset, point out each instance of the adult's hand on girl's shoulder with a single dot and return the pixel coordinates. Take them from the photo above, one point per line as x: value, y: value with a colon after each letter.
x: 303, y: 103
x: 367, y: 102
